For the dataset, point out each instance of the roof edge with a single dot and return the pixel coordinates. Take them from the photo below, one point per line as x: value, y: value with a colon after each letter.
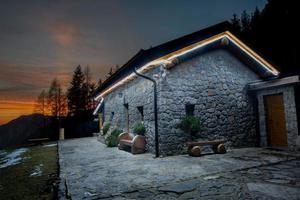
x: 168, y: 59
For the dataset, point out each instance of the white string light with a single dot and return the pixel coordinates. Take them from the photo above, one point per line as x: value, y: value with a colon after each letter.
x: 168, y: 58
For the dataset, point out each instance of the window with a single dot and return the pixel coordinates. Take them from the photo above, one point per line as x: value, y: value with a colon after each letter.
x: 103, y: 114
x: 111, y: 116
x: 189, y: 109
x: 297, y: 98
x: 126, y: 116
x: 141, y: 110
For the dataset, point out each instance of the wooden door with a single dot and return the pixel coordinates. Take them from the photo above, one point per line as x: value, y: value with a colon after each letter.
x: 275, y: 119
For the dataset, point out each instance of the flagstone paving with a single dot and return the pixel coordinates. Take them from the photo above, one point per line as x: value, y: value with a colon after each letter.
x: 90, y: 170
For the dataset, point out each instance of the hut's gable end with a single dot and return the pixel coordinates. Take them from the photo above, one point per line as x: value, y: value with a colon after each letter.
x: 215, y: 84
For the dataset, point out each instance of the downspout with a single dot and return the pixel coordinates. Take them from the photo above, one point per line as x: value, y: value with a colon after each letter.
x: 155, y: 110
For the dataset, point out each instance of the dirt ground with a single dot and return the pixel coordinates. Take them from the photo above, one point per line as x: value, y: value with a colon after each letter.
x: 29, y: 172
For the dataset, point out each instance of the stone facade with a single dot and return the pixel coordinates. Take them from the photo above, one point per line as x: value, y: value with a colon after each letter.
x: 289, y: 110
x: 136, y: 93
x: 214, y: 82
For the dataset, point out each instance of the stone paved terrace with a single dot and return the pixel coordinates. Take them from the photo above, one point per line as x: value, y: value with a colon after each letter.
x: 89, y: 170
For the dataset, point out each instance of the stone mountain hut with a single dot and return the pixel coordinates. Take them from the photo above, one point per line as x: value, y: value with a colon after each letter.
x: 210, y: 74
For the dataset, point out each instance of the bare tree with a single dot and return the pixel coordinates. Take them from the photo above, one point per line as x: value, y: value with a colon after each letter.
x: 89, y: 88
x: 100, y: 82
x: 41, y: 103
x: 56, y: 100
x: 110, y: 73
x: 117, y: 67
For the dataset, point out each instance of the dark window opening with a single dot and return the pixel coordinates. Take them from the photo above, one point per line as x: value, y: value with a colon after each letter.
x: 189, y: 109
x: 126, y: 106
x: 297, y: 101
x: 111, y: 116
x: 141, y: 110
x: 103, y: 113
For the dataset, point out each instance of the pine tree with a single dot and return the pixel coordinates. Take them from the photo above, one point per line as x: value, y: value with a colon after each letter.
x: 263, y: 31
x: 245, y: 22
x: 255, y: 20
x: 236, y: 23
x: 76, y: 96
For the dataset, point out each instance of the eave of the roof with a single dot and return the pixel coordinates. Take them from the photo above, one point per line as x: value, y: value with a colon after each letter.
x: 145, y: 56
x: 171, y: 58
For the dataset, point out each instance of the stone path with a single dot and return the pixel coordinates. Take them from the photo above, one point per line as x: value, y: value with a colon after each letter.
x: 92, y: 171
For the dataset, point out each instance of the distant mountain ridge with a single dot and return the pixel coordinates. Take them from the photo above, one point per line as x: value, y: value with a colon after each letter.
x: 18, y: 131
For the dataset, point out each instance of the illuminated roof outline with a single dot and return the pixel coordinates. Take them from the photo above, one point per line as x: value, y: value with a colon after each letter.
x: 171, y: 53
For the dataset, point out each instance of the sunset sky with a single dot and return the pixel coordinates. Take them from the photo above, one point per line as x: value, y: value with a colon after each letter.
x: 46, y: 39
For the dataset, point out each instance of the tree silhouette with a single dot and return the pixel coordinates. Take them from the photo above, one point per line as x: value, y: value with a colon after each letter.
x: 236, y: 23
x: 274, y: 33
x: 110, y: 73
x: 117, y: 67
x: 41, y: 103
x: 76, y: 95
x: 88, y: 89
x: 99, y: 83
x: 56, y: 100
x: 245, y: 21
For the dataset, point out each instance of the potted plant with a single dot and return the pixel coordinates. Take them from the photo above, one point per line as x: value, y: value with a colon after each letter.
x: 190, y: 125
x: 112, y: 140
x: 105, y: 128
x: 139, y: 129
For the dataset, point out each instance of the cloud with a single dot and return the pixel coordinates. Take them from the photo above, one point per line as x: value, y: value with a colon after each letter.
x: 64, y: 34
x: 25, y: 80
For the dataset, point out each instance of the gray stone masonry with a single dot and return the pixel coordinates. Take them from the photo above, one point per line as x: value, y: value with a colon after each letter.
x: 215, y: 82
x: 138, y: 92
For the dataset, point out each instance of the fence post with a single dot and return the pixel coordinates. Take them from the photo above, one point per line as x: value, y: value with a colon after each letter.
x: 61, y: 134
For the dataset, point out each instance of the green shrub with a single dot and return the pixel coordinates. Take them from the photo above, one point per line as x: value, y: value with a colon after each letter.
x: 105, y: 128
x: 116, y: 132
x: 139, y: 129
x: 112, y: 140
x: 190, y: 125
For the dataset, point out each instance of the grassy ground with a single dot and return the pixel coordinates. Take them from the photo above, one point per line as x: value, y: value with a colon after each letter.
x: 33, y: 174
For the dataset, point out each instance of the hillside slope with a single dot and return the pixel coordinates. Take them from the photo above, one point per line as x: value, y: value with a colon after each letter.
x: 19, y: 130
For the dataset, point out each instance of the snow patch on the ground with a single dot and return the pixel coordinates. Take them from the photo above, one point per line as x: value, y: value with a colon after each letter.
x: 50, y: 145
x: 37, y: 170
x: 12, y: 158
x: 2, y: 153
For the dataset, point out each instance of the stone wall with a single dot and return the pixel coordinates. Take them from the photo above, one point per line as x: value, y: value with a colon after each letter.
x: 215, y: 82
x: 289, y: 110
x: 138, y: 92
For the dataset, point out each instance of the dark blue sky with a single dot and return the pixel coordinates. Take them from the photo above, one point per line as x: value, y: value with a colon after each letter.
x: 44, y: 39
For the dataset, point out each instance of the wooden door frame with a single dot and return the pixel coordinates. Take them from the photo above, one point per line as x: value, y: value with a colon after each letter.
x: 266, y: 117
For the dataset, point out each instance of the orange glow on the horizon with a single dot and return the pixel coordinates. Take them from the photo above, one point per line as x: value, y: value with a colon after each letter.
x: 10, y: 110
